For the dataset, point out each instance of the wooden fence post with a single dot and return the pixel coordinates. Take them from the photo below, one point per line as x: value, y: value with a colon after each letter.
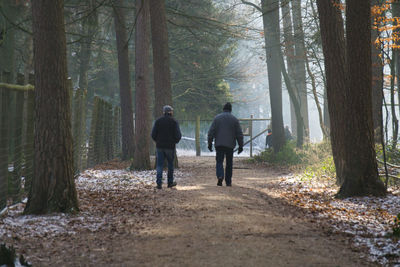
x: 92, y: 138
x: 197, y: 136
x: 251, y: 135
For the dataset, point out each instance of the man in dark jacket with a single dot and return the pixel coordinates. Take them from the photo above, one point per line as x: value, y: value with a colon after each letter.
x: 166, y: 133
x: 226, y: 130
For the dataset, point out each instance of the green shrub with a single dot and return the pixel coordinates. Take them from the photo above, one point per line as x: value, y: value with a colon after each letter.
x: 396, y: 226
x: 289, y: 155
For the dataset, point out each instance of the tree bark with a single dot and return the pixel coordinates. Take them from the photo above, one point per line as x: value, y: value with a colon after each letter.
x: 270, y: 9
x: 141, y: 159
x: 332, y: 35
x: 361, y: 173
x: 377, y: 80
x: 128, y: 144
x: 162, y: 76
x: 53, y: 187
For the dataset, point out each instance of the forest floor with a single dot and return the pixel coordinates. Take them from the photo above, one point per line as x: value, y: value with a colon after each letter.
x: 262, y: 220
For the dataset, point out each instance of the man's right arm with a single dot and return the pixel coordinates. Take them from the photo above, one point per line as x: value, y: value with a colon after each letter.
x: 178, y: 134
x: 154, y: 132
x: 239, y: 134
x: 211, y: 133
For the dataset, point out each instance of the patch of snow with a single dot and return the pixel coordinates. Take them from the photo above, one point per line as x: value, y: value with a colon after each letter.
x: 14, y: 224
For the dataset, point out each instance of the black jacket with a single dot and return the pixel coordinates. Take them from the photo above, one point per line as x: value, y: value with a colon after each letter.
x: 226, y: 130
x: 166, y: 132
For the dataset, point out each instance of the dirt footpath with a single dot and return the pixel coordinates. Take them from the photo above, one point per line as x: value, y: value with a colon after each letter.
x: 231, y: 226
x: 195, y: 224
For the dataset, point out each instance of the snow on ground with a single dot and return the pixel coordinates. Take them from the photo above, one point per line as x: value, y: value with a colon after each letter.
x: 13, y: 224
x: 367, y: 220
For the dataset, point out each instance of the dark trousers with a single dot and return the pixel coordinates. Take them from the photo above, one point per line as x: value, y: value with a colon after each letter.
x: 162, y: 154
x: 221, y: 153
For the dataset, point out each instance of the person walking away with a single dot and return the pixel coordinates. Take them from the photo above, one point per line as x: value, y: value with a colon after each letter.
x: 166, y: 133
x: 268, y: 139
x: 288, y: 134
x: 226, y: 131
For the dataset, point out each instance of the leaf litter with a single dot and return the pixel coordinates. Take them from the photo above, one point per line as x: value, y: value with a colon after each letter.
x: 367, y: 221
x: 111, y: 201
x: 115, y: 200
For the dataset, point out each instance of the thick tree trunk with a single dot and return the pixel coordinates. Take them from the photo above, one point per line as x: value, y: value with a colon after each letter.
x: 300, y: 52
x: 162, y: 76
x: 128, y: 144
x: 377, y: 81
x: 53, y: 187
x: 141, y: 159
x: 270, y: 9
x: 361, y: 172
x: 332, y: 35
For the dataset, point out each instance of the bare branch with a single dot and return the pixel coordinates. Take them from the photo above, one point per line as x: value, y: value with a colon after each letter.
x: 253, y: 5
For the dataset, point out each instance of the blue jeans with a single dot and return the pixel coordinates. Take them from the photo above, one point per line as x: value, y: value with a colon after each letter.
x: 162, y: 154
x: 221, y: 153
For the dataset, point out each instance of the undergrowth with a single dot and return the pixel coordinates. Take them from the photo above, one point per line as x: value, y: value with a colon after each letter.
x: 312, y: 160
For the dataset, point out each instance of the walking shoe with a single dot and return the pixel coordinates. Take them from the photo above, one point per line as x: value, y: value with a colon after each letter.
x: 228, y: 184
x: 159, y: 186
x: 220, y: 181
x: 171, y: 184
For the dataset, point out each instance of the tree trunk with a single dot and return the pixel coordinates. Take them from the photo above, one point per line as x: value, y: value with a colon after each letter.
x: 128, y: 144
x: 395, y: 121
x: 270, y: 10
x: 291, y: 66
x: 141, y: 159
x: 53, y: 187
x: 162, y: 76
x: 300, y: 52
x: 319, y: 109
x: 296, y: 104
x: 7, y: 48
x: 360, y: 173
x: 327, y: 120
x: 332, y: 35
x: 377, y: 80
x: 89, y: 28
x: 396, y: 13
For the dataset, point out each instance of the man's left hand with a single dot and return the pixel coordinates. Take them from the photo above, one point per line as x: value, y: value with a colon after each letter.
x: 240, y: 150
x: 210, y: 147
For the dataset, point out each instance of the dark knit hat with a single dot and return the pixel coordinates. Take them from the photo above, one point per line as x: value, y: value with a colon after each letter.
x: 167, y: 109
x: 227, y: 107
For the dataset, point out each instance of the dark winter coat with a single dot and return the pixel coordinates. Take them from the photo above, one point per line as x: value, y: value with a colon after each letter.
x: 226, y: 130
x: 166, y: 132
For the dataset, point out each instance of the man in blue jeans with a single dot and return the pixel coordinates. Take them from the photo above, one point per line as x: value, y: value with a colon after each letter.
x: 166, y: 133
x: 226, y: 130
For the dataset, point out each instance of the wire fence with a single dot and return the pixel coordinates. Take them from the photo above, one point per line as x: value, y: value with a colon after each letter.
x: 96, y: 138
